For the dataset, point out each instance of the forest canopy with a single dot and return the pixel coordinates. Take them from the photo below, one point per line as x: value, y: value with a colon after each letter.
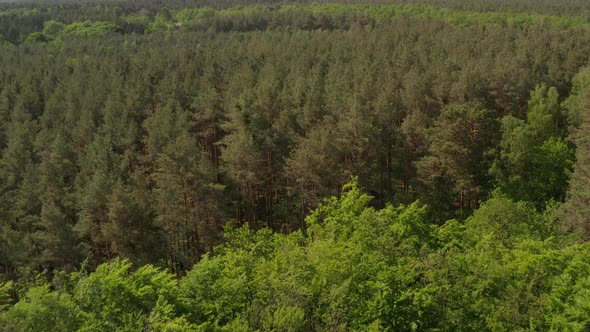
x: 352, y: 268
x: 246, y: 165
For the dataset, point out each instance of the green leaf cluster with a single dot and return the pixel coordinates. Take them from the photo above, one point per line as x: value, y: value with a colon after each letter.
x: 354, y: 268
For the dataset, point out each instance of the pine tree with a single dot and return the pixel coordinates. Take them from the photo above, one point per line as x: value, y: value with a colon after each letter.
x: 106, y: 160
x: 19, y: 191
x: 313, y: 169
x: 100, y: 170
x: 575, y: 213
x: 187, y: 199
x: 54, y: 237
x: 131, y: 228
x: 458, y: 143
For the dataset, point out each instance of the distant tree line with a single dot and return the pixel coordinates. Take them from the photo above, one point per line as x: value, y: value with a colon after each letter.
x: 37, y: 21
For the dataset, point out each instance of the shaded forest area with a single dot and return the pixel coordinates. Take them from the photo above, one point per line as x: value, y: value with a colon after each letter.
x: 208, y: 145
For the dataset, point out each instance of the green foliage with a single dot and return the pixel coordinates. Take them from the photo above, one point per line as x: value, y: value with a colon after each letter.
x: 140, y: 20
x: 42, y: 310
x: 5, y: 288
x: 37, y: 37
x: 460, y: 139
x: 57, y: 30
x: 90, y: 29
x: 142, y: 145
x: 354, y: 268
x: 260, y: 17
x: 544, y: 117
x: 508, y: 222
x: 534, y: 161
x: 53, y: 28
x: 345, y: 271
x: 113, y: 297
x: 131, y: 132
x: 575, y: 212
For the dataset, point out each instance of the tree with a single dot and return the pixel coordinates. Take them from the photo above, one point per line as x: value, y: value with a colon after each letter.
x: 53, y: 28
x: 42, y: 310
x: 458, y: 143
x: 109, y: 158
x: 19, y: 190
x: 414, y: 146
x: 54, y: 237
x: 131, y: 227
x: 533, y: 161
x: 115, y: 297
x: 576, y: 209
x: 313, y: 168
x: 99, y: 172
x: 188, y: 199
x: 545, y: 118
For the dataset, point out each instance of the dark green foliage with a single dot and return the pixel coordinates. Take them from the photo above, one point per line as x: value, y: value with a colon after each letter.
x: 130, y: 226
x: 205, y: 142
x: 163, y: 137
x: 460, y: 138
x: 188, y: 200
x: 575, y: 212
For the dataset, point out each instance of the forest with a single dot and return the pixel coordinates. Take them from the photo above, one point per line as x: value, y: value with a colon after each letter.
x: 267, y: 165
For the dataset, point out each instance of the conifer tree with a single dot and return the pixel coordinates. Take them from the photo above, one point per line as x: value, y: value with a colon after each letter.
x: 187, y: 198
x: 54, y: 237
x: 458, y: 143
x: 575, y: 213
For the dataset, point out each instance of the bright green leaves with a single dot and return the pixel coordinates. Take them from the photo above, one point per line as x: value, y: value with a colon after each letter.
x: 544, y: 117
x: 5, y: 288
x: 569, y: 301
x: 498, y: 271
x: 114, y: 297
x: 508, y: 222
x: 358, y: 267
x: 220, y: 288
x: 355, y: 268
x: 42, y: 310
x: 533, y: 160
x: 554, y: 163
x: 55, y: 30
x: 89, y: 29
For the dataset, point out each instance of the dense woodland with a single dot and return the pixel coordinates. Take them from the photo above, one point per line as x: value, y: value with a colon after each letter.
x: 247, y: 165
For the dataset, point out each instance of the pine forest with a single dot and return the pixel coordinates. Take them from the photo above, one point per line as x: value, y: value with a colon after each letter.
x: 284, y: 165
